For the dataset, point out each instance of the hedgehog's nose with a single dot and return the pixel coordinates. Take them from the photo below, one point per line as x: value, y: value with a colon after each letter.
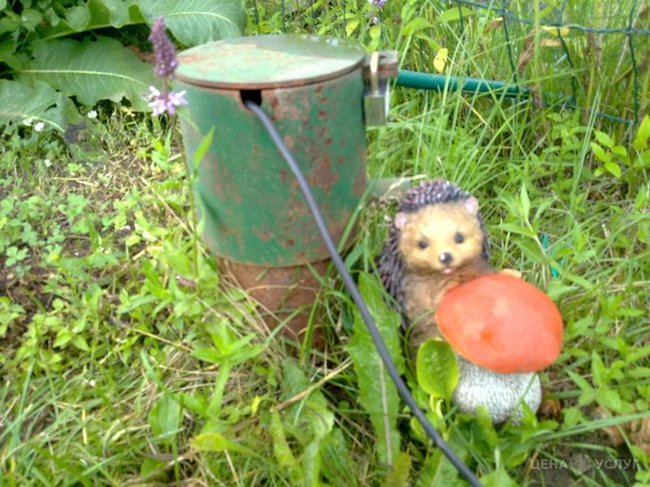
x: 446, y: 258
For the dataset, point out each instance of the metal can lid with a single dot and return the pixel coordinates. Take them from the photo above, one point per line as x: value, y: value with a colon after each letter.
x: 267, y: 61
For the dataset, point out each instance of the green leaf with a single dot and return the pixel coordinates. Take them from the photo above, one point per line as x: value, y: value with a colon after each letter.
x: 613, y: 168
x: 453, y: 14
x: 195, y: 22
x: 151, y: 466
x: 165, y: 418
x: 621, y: 152
x: 483, y: 429
x: 587, y: 393
x: 598, y: 370
x: 309, y: 421
x: 437, y: 369
x: 375, y: 32
x: 121, y: 12
x: 30, y: 18
x: 8, y: 49
x: 78, y: 17
x: 95, y: 14
x: 62, y: 338
x: 80, y: 342
x: 437, y: 469
x: 377, y: 393
x: 572, y: 416
x: 218, y: 443
x: 8, y: 313
x: 313, y: 412
x: 416, y: 25
x: 517, y: 229
x: 611, y: 399
x: 339, y: 466
x: 580, y: 381
x: 281, y: 450
x: 643, y: 134
x: 20, y: 101
x: 351, y: 26
x: 604, y: 139
x: 498, y: 478
x: 525, y: 201
x: 209, y: 355
x: 638, y: 354
x: 204, y: 147
x: 433, y: 45
x: 399, y: 476
x: 91, y: 70
x: 600, y: 154
x: 195, y: 403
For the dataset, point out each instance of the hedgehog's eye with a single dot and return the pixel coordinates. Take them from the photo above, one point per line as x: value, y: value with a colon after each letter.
x: 423, y: 244
x: 459, y: 238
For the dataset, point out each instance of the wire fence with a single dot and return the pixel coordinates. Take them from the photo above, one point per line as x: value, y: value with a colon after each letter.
x: 563, y: 28
x: 592, y: 56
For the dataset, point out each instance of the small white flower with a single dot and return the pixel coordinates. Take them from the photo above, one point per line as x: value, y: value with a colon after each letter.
x: 153, y: 93
x: 28, y: 121
x: 92, y: 114
x: 47, y: 163
x: 39, y: 126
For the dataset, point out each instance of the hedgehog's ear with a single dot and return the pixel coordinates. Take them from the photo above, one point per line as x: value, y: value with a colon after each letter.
x: 471, y: 205
x: 400, y: 220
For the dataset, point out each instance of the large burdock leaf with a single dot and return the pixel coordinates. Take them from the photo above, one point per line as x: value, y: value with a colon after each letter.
x: 195, y: 22
x: 377, y: 393
x: 91, y: 70
x: 92, y: 15
x: 20, y: 101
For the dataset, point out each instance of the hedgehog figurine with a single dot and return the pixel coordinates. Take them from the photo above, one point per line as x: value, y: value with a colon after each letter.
x: 436, y: 240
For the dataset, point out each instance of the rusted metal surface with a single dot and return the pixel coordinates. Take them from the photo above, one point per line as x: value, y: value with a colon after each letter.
x: 255, y: 217
x: 285, y: 294
x: 254, y: 210
x: 269, y: 61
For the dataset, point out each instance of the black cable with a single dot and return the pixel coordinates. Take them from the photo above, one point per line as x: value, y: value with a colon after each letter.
x: 356, y: 296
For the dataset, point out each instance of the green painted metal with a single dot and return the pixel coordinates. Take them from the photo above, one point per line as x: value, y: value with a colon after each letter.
x: 253, y: 208
x: 271, y: 61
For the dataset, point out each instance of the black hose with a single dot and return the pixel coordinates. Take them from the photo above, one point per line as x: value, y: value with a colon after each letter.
x: 356, y: 296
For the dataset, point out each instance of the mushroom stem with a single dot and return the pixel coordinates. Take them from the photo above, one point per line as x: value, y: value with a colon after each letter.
x: 501, y: 394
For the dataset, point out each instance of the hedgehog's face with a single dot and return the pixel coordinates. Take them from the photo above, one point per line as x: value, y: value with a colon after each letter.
x: 440, y: 237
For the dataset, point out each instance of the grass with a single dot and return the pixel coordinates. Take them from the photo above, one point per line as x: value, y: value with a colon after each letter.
x: 125, y: 360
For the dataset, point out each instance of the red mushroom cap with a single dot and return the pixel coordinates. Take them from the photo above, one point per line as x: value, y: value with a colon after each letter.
x: 501, y: 323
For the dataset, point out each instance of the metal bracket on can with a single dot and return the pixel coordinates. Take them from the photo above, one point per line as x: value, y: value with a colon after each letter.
x: 378, y: 69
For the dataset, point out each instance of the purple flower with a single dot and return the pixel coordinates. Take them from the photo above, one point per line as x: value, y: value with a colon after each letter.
x: 163, y: 49
x: 377, y: 3
x: 165, y: 102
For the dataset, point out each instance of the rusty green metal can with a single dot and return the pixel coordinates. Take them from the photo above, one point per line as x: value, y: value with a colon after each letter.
x: 256, y: 218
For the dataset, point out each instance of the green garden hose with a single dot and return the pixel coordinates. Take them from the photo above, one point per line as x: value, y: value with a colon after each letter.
x: 439, y: 82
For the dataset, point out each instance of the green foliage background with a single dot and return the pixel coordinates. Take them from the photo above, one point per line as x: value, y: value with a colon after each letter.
x: 125, y: 358
x: 81, y: 49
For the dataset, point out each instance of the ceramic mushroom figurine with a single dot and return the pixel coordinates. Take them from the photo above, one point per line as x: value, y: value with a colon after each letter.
x: 504, y: 330
x: 435, y: 264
